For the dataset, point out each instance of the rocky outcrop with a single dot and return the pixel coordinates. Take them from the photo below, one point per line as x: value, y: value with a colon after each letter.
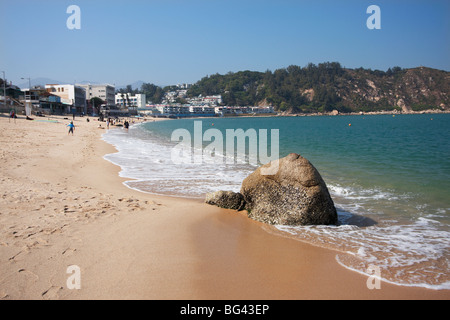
x: 295, y: 194
x: 288, y: 191
x: 226, y: 199
x: 401, y: 103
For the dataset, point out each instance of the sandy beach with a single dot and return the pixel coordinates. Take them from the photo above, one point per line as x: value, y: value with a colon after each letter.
x: 63, y: 205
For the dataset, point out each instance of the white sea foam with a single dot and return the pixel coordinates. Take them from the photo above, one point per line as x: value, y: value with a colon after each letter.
x: 442, y: 286
x: 413, y: 254
x: 359, y: 193
x: 148, y: 163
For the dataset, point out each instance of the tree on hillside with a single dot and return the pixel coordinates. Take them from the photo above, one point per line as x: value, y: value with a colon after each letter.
x: 97, y: 103
x: 122, y: 95
x: 153, y: 93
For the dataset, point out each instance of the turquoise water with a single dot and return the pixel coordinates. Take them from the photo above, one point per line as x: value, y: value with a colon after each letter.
x: 389, y: 177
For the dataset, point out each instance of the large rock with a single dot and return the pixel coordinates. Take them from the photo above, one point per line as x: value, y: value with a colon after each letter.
x: 288, y: 191
x: 226, y: 199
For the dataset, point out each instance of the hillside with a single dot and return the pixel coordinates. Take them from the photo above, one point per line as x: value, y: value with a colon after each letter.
x: 328, y: 86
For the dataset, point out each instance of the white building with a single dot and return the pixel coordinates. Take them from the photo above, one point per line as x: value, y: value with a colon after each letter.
x: 184, y: 86
x: 171, y: 110
x: 209, y: 110
x: 206, y: 101
x: 106, y: 92
x: 70, y: 95
x: 213, y: 100
x: 260, y: 110
x: 243, y: 110
x: 196, y: 109
x: 131, y: 101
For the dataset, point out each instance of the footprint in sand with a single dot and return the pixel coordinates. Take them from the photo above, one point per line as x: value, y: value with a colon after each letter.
x: 14, y: 257
x: 4, y: 296
x: 52, y: 293
x: 30, y: 276
x: 69, y: 252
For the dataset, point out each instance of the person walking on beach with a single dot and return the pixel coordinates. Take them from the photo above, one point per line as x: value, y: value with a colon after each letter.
x: 71, y: 128
x: 12, y: 115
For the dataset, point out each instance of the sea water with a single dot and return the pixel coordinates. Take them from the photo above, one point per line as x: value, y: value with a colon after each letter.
x: 389, y: 177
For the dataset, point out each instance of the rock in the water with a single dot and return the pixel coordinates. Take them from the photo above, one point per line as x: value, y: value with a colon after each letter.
x: 293, y: 193
x: 226, y: 199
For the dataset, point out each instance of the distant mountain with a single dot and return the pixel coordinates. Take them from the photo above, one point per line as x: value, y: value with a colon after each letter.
x: 328, y: 86
x: 134, y: 85
x: 87, y: 82
x: 38, y: 81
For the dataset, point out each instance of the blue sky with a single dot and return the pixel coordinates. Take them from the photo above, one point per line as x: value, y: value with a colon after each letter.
x: 175, y: 41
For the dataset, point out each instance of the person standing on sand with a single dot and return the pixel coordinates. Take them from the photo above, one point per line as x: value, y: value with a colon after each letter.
x: 71, y: 128
x: 12, y: 115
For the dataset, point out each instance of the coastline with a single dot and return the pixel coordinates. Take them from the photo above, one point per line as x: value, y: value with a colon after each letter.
x: 64, y: 205
x: 318, y: 114
x: 392, y: 112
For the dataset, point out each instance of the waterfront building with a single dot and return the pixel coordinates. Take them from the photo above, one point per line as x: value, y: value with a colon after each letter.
x: 71, y: 95
x: 131, y: 101
x: 106, y: 92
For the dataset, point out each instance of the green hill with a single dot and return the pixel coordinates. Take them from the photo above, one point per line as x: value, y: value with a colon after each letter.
x: 329, y: 86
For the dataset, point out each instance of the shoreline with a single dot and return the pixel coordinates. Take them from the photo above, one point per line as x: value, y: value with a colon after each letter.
x: 372, y: 113
x: 75, y: 210
x: 318, y: 114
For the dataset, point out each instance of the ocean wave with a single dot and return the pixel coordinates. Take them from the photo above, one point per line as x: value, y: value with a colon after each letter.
x: 413, y: 254
x: 359, y: 193
x: 147, y: 162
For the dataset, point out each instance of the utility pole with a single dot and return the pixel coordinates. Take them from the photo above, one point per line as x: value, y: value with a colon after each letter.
x: 29, y: 84
x: 4, y: 89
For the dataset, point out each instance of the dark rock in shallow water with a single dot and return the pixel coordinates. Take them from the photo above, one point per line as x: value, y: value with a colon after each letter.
x: 288, y: 191
x: 226, y: 199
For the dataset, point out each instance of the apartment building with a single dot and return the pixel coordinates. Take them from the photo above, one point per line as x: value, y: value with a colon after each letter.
x: 71, y: 95
x: 171, y: 110
x: 131, y: 101
x: 106, y: 92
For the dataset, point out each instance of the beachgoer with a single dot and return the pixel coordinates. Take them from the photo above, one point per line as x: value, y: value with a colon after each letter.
x: 12, y: 115
x: 71, y: 128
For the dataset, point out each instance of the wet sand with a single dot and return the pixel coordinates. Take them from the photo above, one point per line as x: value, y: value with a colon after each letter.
x: 62, y: 204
